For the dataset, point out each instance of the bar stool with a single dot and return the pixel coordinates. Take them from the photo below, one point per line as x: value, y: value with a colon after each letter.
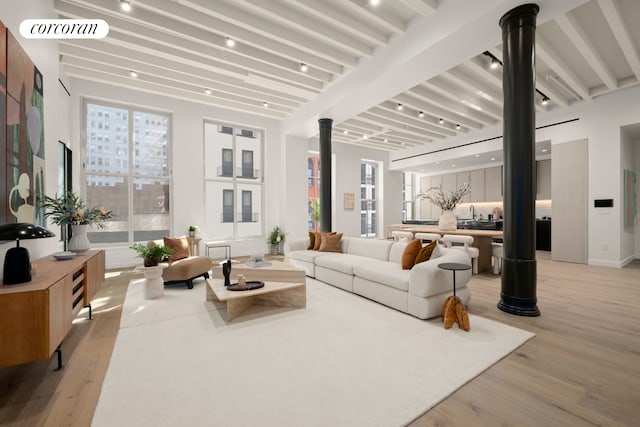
x: 496, y: 255
x: 463, y: 243
x: 399, y: 235
x: 219, y: 244
x: 428, y: 237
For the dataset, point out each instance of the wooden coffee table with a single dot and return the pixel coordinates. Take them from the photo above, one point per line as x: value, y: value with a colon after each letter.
x: 281, y: 294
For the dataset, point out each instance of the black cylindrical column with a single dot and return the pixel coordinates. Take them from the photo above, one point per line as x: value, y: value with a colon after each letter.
x: 518, y: 294
x: 325, y: 174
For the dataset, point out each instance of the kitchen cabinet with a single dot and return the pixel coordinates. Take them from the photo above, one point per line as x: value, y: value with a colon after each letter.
x: 543, y: 179
x: 461, y: 178
x: 493, y: 184
x: 477, y: 179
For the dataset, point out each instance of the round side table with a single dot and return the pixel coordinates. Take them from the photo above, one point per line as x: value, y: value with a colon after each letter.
x: 454, y: 266
x: 153, y: 283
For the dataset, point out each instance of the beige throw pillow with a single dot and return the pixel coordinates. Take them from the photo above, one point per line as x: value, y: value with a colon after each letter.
x: 330, y: 242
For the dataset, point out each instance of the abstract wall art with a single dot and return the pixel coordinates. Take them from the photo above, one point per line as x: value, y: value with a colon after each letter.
x: 23, y: 143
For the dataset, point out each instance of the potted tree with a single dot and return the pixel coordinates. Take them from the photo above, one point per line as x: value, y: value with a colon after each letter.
x: 152, y: 254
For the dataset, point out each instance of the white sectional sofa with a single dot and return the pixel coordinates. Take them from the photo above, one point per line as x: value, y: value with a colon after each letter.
x: 372, y: 268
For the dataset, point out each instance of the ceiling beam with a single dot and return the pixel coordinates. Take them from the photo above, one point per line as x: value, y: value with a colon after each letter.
x: 581, y: 41
x: 560, y: 67
x: 430, y: 124
x: 612, y: 14
x: 423, y: 7
x: 377, y: 14
x: 454, y: 93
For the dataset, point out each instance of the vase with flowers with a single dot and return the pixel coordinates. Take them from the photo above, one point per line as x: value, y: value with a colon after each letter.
x: 71, y: 209
x: 447, y: 202
x: 276, y: 237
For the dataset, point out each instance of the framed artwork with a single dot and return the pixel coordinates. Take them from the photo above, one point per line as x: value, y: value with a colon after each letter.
x: 22, y: 142
x: 630, y: 198
x: 348, y: 201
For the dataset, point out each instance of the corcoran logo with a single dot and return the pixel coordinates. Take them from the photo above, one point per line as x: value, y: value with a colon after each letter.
x: 64, y: 28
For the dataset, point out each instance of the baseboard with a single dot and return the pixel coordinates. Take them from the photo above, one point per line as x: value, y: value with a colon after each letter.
x: 611, y: 264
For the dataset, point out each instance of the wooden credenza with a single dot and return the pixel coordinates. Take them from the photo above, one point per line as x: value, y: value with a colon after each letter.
x: 36, y: 316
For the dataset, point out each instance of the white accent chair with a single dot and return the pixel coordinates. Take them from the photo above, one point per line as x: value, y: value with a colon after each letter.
x: 428, y: 237
x: 496, y: 255
x: 463, y: 242
x: 399, y: 235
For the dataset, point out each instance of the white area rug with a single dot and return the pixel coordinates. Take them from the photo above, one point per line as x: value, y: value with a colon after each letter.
x: 342, y: 361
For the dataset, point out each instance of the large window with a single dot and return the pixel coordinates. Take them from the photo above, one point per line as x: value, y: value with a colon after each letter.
x: 313, y: 192
x: 127, y: 171
x: 368, y: 213
x: 233, y: 180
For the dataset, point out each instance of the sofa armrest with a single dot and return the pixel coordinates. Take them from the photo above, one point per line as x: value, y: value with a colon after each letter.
x: 294, y: 245
x: 428, y: 279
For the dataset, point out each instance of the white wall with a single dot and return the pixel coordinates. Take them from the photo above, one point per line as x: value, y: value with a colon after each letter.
x: 628, y: 162
x: 44, y: 54
x: 187, y: 161
x: 637, y: 223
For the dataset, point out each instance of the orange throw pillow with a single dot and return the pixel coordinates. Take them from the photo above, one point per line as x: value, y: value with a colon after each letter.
x: 318, y: 240
x: 410, y: 252
x: 312, y: 240
x: 424, y: 254
x: 180, y: 248
x: 331, y: 242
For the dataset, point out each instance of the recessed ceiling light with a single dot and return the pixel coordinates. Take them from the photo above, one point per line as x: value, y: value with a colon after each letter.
x: 386, y: 140
x: 345, y: 131
x: 125, y: 5
x: 458, y: 127
x: 493, y: 158
x: 230, y: 42
x: 494, y: 64
x: 437, y: 163
x: 421, y: 114
x: 477, y: 155
x: 544, y: 150
x: 365, y: 136
x: 207, y: 91
x: 403, y: 144
x: 265, y: 104
x: 453, y: 165
x: 374, y: 2
x: 441, y: 121
x: 303, y: 67
x: 399, y: 107
x: 133, y: 73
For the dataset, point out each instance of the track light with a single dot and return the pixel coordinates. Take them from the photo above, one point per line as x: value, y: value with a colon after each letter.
x: 303, y: 67
x: 133, y: 74
x: 265, y: 104
x: 494, y: 64
x: 441, y: 121
x: 399, y: 107
x: 374, y: 2
x: 125, y: 5
x: 230, y: 42
x: 207, y: 91
x: 545, y: 100
x: 421, y: 114
x: 458, y: 127
x: 345, y: 132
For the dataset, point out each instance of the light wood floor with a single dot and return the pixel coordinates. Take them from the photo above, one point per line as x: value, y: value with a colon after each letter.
x: 581, y: 369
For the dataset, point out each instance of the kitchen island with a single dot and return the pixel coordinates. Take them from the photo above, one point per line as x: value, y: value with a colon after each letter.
x: 482, y: 239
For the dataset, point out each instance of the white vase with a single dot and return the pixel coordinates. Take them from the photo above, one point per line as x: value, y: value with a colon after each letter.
x: 448, y: 221
x: 79, y: 241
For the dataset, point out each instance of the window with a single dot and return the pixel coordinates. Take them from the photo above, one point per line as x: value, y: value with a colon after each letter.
x: 127, y: 173
x: 407, y: 195
x: 368, y: 213
x: 313, y: 192
x: 233, y: 156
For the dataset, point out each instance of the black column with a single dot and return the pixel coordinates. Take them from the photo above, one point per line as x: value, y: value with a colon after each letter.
x: 325, y: 174
x: 518, y: 294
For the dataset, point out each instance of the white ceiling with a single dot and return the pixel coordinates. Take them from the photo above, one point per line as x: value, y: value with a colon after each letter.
x: 363, y: 60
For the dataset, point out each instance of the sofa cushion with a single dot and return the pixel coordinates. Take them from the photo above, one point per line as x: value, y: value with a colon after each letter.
x: 395, y: 253
x: 424, y: 254
x: 343, y: 263
x: 179, y: 246
x: 330, y: 242
x: 370, y: 248
x: 384, y: 272
x: 312, y: 240
x: 410, y: 253
x: 307, y: 256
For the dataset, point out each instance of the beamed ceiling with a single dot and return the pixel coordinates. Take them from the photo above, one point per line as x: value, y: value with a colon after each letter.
x: 179, y: 49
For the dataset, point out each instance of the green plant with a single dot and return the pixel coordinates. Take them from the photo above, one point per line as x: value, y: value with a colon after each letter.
x: 72, y: 209
x: 193, y: 228
x: 444, y: 201
x: 152, y: 254
x: 276, y: 236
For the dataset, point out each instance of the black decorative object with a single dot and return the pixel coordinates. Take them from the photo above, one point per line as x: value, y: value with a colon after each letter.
x: 17, y: 265
x: 325, y: 173
x: 249, y: 286
x: 226, y: 271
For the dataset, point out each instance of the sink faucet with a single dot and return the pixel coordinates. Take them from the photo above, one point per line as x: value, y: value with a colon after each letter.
x: 472, y: 208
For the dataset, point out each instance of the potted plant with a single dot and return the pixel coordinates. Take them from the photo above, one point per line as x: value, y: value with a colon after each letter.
x: 152, y: 254
x: 72, y: 209
x: 447, y: 202
x: 192, y: 230
x: 276, y: 237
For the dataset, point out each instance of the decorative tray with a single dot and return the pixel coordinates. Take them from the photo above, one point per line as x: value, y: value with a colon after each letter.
x: 251, y: 285
x: 64, y: 255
